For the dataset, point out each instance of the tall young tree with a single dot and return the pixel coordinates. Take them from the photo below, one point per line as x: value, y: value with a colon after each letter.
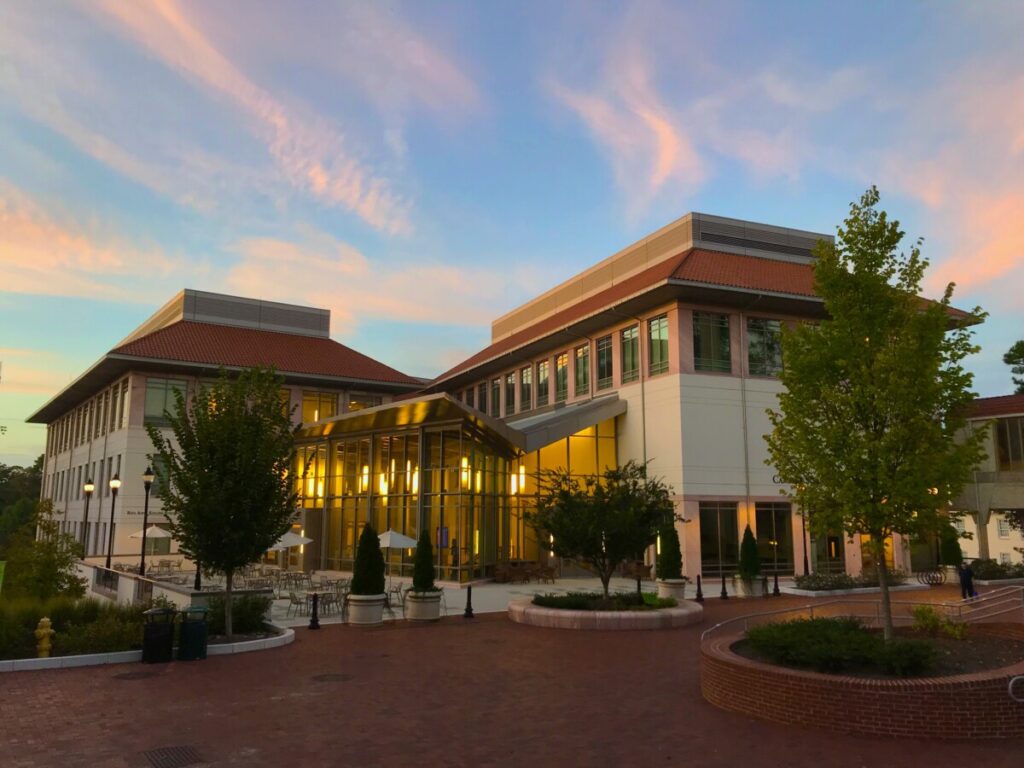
x: 228, y: 496
x: 1014, y: 358
x: 602, y: 521
x: 41, y: 560
x: 866, y: 429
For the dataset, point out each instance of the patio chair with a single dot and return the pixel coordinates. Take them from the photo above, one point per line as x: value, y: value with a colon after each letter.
x: 296, y: 603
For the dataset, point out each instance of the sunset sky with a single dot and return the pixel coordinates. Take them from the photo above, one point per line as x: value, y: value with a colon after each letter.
x: 422, y: 168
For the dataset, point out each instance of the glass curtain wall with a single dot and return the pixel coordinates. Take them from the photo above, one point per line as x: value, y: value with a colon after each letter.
x: 774, y: 521
x: 719, y: 538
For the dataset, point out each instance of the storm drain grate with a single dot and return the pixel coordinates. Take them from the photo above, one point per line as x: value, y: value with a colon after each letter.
x: 172, y: 757
x: 332, y: 677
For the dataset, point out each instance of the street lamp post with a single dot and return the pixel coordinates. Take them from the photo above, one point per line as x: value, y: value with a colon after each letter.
x: 115, y: 484
x: 147, y: 481
x: 87, y: 489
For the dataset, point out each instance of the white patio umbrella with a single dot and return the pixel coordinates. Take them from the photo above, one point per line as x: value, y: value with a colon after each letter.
x: 289, y: 540
x: 153, y: 532
x: 394, y: 540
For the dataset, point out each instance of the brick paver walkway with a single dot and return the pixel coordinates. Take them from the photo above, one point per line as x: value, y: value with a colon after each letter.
x: 482, y: 692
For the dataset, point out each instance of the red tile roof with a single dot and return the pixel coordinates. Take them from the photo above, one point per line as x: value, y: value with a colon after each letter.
x: 750, y: 272
x: 230, y: 346
x: 1004, y: 405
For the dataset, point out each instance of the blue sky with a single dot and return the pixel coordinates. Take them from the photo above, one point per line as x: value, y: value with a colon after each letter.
x: 422, y: 168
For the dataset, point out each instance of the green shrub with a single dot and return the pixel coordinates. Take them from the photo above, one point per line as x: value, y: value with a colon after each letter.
x: 670, y: 561
x: 869, y: 577
x: 825, y: 581
x: 750, y: 560
x: 368, y: 569
x: 71, y: 621
x: 927, y: 620
x: 423, y: 565
x: 248, y: 616
x: 905, y: 658
x: 108, y: 633
x: 991, y: 570
x: 593, y: 601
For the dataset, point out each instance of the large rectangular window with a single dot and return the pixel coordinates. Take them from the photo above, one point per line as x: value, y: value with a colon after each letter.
x: 764, y: 346
x: 657, y: 345
x: 542, y: 382
x: 719, y: 538
x: 471, y: 397
x: 561, y: 377
x: 630, y: 354
x: 1010, y: 439
x: 510, y: 394
x: 711, y: 342
x: 318, y: 405
x: 526, y: 389
x: 604, y: 362
x: 160, y: 399
x: 774, y: 536
x: 357, y: 401
x: 495, y: 397
x: 481, y: 396
x: 582, y: 370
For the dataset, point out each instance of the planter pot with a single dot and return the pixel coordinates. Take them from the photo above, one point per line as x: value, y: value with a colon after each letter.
x: 674, y: 588
x: 366, y: 610
x: 744, y: 588
x: 423, y: 606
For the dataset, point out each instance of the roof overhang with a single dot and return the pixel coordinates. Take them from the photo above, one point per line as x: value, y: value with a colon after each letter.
x: 558, y: 424
x: 113, y: 366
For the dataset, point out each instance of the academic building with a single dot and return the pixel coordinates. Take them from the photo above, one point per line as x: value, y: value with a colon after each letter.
x: 666, y: 352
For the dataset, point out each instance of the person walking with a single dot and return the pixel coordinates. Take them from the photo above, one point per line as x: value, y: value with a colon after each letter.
x: 966, y: 582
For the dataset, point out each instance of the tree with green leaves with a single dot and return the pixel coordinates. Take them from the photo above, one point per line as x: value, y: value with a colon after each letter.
x: 670, y: 561
x: 423, y: 565
x: 1014, y: 358
x: 368, y: 568
x: 604, y: 520
x: 866, y: 430
x: 749, y: 566
x: 41, y: 560
x: 227, y: 493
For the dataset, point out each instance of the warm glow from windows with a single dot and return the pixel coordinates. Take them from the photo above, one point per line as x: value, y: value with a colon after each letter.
x: 364, y: 481
x: 465, y: 472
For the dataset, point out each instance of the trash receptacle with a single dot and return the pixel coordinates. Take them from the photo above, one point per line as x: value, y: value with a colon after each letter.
x: 192, y: 643
x: 158, y: 635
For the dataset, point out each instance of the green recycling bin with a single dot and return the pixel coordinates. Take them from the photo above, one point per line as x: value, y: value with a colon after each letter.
x: 192, y: 641
x: 158, y: 635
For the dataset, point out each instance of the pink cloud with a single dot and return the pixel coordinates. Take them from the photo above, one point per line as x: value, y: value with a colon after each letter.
x: 308, y: 150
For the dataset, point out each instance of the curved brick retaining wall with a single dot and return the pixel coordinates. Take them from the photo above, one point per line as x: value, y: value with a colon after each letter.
x: 525, y: 612
x: 975, y: 706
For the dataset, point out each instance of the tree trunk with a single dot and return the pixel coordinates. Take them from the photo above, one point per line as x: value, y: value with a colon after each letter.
x: 228, y: 604
x: 606, y: 577
x: 639, y: 592
x: 883, y: 584
x: 198, y: 585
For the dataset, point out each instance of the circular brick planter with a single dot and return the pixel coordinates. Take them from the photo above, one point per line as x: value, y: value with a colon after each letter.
x: 975, y: 706
x: 525, y: 612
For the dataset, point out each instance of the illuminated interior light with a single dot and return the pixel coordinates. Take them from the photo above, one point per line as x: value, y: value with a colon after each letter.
x: 476, y: 542
x: 416, y: 480
x: 514, y: 484
x: 464, y: 475
x: 364, y: 482
x: 479, y: 480
x: 522, y: 478
x: 657, y: 544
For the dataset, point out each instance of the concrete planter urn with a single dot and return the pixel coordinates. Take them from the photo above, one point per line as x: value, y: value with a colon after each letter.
x: 423, y: 606
x: 748, y: 588
x: 366, y: 610
x: 674, y: 588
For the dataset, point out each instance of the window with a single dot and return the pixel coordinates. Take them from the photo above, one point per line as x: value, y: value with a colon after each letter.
x: 113, y: 408
x: 542, y: 382
x: 481, y: 392
x: 159, y: 466
x: 160, y: 399
x: 630, y: 354
x: 719, y: 538
x: 510, y: 394
x: 561, y: 377
x: 604, y: 362
x: 357, y: 401
x: 471, y: 398
x: 959, y: 525
x: 657, y: 345
x: 121, y: 418
x: 582, y: 371
x: 526, y: 389
x: 495, y: 397
x: 158, y: 546
x: 1003, y: 527
x: 1010, y: 439
x: 764, y: 346
x: 1004, y: 558
x: 317, y: 406
x: 711, y: 342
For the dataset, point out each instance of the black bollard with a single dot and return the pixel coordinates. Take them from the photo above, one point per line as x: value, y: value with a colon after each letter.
x: 724, y: 595
x: 468, y: 613
x: 775, y: 589
x: 314, y: 618
x: 700, y: 592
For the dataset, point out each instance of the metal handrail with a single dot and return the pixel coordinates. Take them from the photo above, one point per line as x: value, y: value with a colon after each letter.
x: 1009, y: 689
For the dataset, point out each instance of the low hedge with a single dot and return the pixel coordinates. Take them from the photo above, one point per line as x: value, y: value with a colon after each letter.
x: 821, y: 582
x: 836, y: 646
x: 81, y: 626
x: 594, y: 601
x: 248, y: 616
x: 992, y: 570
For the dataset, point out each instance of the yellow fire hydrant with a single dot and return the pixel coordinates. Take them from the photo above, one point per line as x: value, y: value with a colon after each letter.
x: 44, y: 634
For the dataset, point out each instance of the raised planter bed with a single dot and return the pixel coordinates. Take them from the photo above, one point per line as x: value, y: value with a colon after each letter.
x: 972, y: 706
x: 998, y: 582
x: 787, y: 590
x: 523, y: 611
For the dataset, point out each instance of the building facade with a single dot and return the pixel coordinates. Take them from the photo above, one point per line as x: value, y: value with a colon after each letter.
x: 96, y: 426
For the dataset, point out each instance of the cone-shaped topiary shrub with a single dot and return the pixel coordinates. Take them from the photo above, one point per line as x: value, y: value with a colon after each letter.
x: 750, y: 560
x: 368, y: 571
x: 949, y: 546
x: 423, y: 565
x: 670, y: 561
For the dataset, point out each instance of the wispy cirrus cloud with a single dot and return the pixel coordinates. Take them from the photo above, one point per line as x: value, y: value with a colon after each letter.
x: 310, y: 151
